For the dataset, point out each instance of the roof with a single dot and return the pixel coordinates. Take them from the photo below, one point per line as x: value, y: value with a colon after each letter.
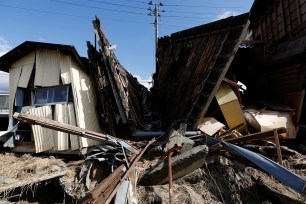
x: 191, y: 65
x: 28, y: 47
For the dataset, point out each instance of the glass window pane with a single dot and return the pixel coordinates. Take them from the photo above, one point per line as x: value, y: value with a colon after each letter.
x: 40, y: 96
x: 50, y: 95
x: 60, y: 94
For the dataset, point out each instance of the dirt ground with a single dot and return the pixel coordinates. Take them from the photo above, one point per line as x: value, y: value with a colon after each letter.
x: 221, y: 181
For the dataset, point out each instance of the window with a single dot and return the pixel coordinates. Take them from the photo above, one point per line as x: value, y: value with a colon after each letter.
x: 51, y: 95
x: 4, y: 101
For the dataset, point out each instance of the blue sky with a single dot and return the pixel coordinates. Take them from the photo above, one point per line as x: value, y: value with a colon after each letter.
x: 125, y: 22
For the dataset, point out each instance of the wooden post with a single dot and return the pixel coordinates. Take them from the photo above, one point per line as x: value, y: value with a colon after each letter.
x: 278, y: 149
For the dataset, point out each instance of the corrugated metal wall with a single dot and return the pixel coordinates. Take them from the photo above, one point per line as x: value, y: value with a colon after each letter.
x: 47, y: 68
x: 84, y: 102
x: 51, y: 66
x: 43, y: 137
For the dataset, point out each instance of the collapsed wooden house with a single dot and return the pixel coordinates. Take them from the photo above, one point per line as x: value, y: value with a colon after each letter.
x: 191, y: 66
x: 271, y: 63
x: 125, y: 104
x: 51, y: 81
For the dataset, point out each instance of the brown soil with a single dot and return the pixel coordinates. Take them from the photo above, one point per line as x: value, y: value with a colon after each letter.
x: 221, y: 181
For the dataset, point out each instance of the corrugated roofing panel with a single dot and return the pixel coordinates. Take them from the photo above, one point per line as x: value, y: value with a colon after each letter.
x: 14, y: 79
x: 74, y: 139
x: 61, y: 139
x: 47, y: 68
x: 43, y: 137
x: 84, y: 102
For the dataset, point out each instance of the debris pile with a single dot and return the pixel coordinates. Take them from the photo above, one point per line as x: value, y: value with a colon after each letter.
x: 211, y: 130
x: 23, y: 174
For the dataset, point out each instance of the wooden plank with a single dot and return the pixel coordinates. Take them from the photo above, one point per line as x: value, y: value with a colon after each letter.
x: 55, y: 125
x: 279, y: 153
x: 256, y: 136
x: 210, y: 125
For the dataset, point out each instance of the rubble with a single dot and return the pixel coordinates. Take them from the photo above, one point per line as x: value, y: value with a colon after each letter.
x: 182, y: 165
x: 195, y: 137
x: 19, y: 175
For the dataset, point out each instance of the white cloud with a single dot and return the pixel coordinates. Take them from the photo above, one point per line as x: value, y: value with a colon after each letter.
x: 145, y: 82
x: 4, y: 46
x: 226, y: 14
x: 40, y: 39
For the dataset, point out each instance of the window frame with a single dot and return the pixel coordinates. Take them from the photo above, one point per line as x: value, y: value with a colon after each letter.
x: 52, y: 88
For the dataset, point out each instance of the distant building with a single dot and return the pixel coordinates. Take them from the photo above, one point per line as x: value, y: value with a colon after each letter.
x: 52, y: 81
x: 4, y: 99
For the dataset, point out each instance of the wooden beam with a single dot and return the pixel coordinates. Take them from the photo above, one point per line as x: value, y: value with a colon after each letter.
x: 278, y: 150
x: 256, y: 136
x: 55, y: 125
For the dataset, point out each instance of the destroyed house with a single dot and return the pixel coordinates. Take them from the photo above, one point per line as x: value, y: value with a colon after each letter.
x: 50, y: 81
x: 271, y: 63
x: 191, y: 66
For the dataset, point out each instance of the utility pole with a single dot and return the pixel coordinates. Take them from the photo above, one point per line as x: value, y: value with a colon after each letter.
x: 155, y: 12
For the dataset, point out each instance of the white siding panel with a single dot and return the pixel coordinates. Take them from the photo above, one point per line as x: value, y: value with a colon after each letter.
x: 84, y: 102
x: 25, y: 75
x: 26, y: 60
x: 61, y: 139
x: 47, y: 68
x: 27, y: 63
x: 43, y: 137
x: 14, y: 79
x: 65, y: 64
x: 74, y: 139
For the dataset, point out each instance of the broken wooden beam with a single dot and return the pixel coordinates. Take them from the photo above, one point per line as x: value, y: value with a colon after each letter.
x: 104, y: 189
x: 55, y: 125
x: 258, y: 135
x: 279, y: 153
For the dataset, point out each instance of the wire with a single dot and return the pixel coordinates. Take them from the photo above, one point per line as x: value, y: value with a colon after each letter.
x: 94, y: 7
x: 189, y: 12
x: 137, y: 1
x: 186, y: 17
x: 122, y: 5
x: 70, y: 15
x: 43, y: 11
x: 201, y: 6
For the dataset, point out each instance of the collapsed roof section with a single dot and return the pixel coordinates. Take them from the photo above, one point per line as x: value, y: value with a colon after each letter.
x: 124, y: 102
x: 191, y: 65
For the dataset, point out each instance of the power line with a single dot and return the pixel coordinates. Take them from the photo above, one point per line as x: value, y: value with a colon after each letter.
x: 202, y: 6
x: 190, y: 12
x: 94, y: 7
x: 114, y: 4
x: 136, y: 1
x: 186, y: 17
x: 70, y: 15
x: 44, y: 11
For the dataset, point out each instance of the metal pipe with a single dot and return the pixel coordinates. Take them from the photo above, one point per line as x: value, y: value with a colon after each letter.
x: 171, y: 196
x: 141, y: 133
